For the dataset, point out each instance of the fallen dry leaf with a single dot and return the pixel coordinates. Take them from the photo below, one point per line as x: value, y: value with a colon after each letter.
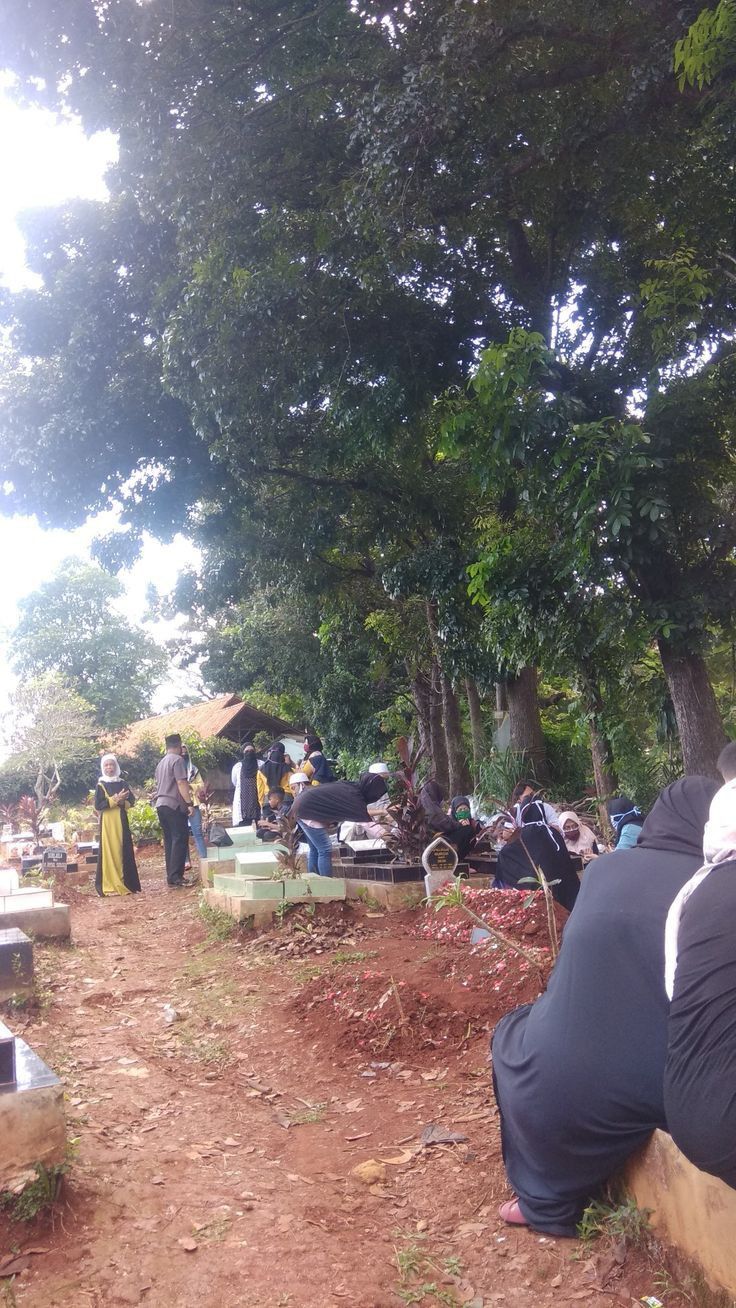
x: 398, y: 1160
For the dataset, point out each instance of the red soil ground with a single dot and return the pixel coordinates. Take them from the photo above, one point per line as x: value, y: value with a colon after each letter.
x: 214, y: 1154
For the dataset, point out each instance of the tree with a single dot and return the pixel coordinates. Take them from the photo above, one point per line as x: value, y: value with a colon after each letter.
x: 395, y: 188
x: 50, y: 728
x: 70, y: 626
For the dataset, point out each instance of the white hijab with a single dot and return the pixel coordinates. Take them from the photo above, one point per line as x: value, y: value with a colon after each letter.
x: 585, y: 838
x: 105, y: 759
x: 719, y: 846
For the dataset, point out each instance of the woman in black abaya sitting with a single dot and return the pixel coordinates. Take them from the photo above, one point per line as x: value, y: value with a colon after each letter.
x: 578, y: 1075
x: 535, y: 844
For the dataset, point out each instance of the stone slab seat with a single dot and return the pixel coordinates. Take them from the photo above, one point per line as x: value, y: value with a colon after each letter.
x: 314, y: 887
x: 259, y: 863
x: 693, y: 1212
x: 50, y: 923
x: 260, y: 911
x: 32, y: 1123
x: 235, y: 884
x: 242, y: 837
x: 16, y: 963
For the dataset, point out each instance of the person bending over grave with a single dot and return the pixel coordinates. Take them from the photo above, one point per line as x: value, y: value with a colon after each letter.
x: 578, y: 1075
x: 521, y: 794
x: 535, y: 844
x: 117, y: 873
x: 318, y: 807
x: 700, y: 978
x: 441, y: 823
x: 375, y: 790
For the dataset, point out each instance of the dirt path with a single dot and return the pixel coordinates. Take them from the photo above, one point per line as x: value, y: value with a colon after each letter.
x: 214, y: 1152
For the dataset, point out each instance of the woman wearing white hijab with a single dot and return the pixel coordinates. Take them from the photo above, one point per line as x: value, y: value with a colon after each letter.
x: 578, y: 837
x: 700, y: 978
x: 117, y: 873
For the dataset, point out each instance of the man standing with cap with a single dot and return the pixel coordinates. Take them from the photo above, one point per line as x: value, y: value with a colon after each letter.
x: 173, y: 806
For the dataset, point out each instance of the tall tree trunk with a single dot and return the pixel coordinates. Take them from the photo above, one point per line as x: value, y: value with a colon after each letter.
x: 438, y: 744
x: 698, y: 721
x: 421, y: 689
x: 459, y: 778
x: 476, y: 724
x: 525, y: 722
x: 604, y: 774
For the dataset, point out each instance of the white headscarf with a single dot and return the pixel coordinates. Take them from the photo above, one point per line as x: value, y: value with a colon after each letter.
x: 585, y: 839
x: 719, y: 846
x: 103, y: 760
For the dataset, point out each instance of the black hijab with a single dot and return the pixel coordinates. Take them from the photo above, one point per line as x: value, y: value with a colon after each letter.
x: 679, y: 815
x: 623, y: 812
x: 337, y: 801
x: 250, y: 809
x: 249, y: 766
x: 274, y: 769
x: 544, y: 848
x: 459, y: 801
x: 430, y: 798
x: 372, y: 786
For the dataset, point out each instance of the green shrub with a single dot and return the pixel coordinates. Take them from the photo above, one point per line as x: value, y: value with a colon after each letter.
x: 144, y: 823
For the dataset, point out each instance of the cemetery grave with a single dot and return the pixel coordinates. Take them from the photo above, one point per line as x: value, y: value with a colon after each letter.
x: 224, y: 1090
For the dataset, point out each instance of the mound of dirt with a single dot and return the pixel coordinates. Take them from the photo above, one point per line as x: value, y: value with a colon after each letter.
x: 517, y: 914
x: 313, y: 929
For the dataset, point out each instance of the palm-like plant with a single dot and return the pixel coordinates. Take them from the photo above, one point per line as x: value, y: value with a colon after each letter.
x: 408, y: 834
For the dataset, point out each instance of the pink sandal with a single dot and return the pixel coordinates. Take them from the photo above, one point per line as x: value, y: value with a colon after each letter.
x: 511, y: 1213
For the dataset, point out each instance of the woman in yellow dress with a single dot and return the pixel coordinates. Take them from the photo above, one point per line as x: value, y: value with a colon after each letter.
x: 117, y: 873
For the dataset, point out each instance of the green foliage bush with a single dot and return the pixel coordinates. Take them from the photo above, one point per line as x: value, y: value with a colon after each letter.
x: 144, y: 823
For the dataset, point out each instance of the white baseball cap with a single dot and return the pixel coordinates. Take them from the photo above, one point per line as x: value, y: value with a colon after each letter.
x: 380, y: 769
x: 299, y: 777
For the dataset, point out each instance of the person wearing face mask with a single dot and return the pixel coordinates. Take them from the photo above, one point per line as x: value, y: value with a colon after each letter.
x: 315, y: 764
x: 117, y: 873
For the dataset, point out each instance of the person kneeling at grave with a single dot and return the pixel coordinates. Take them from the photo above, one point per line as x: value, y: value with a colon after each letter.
x: 320, y: 807
x: 578, y: 1075
x: 700, y: 979
x: 535, y: 844
x: 117, y: 873
x: 277, y: 806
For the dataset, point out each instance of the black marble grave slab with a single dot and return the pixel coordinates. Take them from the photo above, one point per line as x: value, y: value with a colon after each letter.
x: 16, y: 960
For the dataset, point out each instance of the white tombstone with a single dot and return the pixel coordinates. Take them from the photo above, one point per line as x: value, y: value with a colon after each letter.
x: 439, y: 861
x: 8, y: 881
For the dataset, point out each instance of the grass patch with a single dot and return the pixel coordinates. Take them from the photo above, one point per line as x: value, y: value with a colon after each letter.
x: 213, y: 1231
x: 38, y: 1195
x: 220, y: 925
x: 306, y: 1116
x: 624, y: 1221
x: 417, y: 1269
x: 210, y: 1050
x: 341, y: 956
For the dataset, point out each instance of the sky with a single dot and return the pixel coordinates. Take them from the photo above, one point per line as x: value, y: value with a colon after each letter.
x: 45, y: 161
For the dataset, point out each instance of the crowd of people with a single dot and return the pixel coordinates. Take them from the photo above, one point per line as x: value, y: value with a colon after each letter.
x: 635, y: 1030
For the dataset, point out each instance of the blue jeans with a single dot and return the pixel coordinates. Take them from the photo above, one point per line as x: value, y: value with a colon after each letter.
x: 195, y: 826
x: 320, y: 850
